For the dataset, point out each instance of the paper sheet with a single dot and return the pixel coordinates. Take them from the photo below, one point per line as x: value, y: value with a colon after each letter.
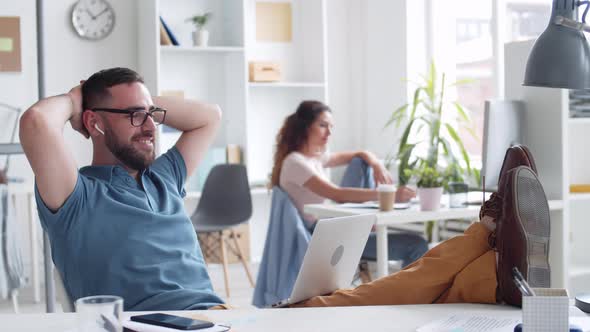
x: 582, y: 322
x: 470, y: 323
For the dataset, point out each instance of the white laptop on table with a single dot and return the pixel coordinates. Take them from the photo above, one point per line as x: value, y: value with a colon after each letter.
x: 331, y: 258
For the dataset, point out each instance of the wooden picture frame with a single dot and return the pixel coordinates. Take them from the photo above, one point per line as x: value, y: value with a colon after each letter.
x: 10, y: 44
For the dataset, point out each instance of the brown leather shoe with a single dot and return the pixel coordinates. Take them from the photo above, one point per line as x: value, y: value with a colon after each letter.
x: 516, y: 155
x: 522, y: 233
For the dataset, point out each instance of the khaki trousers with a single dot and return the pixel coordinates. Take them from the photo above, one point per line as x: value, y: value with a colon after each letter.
x: 459, y: 270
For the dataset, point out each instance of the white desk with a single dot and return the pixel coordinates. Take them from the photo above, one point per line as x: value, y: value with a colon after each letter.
x: 340, y: 319
x: 397, y: 217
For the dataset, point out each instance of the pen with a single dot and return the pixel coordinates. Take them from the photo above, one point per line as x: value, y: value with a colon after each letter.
x: 522, y: 285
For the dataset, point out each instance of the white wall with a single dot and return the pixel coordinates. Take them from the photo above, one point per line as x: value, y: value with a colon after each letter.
x: 368, y: 64
x: 345, y: 71
x: 68, y: 58
x: 19, y: 89
x: 366, y: 54
x: 386, y: 69
x: 367, y: 60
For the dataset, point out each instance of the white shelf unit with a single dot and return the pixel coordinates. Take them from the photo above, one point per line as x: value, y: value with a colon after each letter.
x: 579, y: 197
x: 286, y: 85
x: 194, y: 49
x: 218, y: 73
x: 304, y: 76
x: 579, y: 121
x: 558, y: 143
x: 252, y: 112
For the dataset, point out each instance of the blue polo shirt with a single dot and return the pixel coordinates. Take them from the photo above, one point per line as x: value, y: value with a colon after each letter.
x: 114, y: 236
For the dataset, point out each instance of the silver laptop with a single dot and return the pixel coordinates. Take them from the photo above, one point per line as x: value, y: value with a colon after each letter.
x: 331, y: 258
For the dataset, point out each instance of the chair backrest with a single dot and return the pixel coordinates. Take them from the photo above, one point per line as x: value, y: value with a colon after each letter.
x: 226, y: 196
x: 286, y: 242
x: 62, y: 295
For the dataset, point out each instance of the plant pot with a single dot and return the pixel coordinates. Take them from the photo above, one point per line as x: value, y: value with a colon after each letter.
x: 430, y: 198
x: 201, y: 38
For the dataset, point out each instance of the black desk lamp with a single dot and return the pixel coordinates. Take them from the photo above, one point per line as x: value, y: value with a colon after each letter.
x: 560, y: 58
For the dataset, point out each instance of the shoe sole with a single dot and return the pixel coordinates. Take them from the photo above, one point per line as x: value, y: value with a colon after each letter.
x: 533, y: 216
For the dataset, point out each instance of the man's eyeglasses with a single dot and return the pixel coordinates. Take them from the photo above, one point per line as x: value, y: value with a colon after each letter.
x: 138, y: 116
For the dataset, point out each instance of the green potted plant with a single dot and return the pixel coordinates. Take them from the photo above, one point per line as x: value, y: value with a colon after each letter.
x: 200, y: 35
x: 431, y: 183
x: 430, y: 135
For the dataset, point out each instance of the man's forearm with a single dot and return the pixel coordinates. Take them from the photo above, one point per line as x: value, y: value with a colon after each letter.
x: 54, y: 112
x: 186, y: 115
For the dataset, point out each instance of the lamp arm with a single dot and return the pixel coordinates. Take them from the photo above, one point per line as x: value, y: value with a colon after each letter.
x: 581, y: 3
x: 572, y: 24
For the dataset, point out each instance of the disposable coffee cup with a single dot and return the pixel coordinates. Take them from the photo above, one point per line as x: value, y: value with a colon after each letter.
x: 386, y: 196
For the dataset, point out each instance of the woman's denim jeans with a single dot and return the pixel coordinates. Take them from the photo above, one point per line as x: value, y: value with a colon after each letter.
x: 406, y: 247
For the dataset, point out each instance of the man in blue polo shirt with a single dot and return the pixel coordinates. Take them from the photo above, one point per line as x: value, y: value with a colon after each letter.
x: 118, y: 226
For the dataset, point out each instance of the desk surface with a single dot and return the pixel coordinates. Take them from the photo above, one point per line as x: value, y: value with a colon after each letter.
x: 381, y: 318
x: 412, y: 214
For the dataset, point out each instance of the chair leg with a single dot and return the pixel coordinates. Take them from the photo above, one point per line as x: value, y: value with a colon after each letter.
x: 14, y: 298
x: 224, y: 262
x: 241, y: 256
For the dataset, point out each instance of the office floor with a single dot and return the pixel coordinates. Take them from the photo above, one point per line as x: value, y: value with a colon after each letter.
x: 240, y: 290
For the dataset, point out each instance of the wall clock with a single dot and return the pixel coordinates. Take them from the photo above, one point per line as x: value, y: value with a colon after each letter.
x: 93, y: 19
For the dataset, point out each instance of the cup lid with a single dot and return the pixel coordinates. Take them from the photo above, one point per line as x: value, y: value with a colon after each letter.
x: 386, y: 187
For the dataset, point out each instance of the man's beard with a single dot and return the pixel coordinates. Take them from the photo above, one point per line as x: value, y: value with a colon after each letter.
x: 127, y: 154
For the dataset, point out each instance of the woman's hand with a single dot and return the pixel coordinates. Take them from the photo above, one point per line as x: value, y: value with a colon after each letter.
x: 381, y: 174
x: 404, y: 194
x: 75, y: 95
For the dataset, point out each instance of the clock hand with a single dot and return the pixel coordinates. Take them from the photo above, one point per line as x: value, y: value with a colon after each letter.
x: 102, y: 12
x: 89, y: 13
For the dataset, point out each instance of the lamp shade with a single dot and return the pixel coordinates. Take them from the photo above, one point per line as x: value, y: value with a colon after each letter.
x: 560, y: 57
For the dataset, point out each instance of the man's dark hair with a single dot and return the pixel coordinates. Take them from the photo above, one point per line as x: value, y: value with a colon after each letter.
x: 95, y: 89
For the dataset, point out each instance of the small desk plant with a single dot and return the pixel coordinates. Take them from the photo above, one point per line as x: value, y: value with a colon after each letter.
x: 430, y: 149
x: 431, y: 182
x: 200, y: 35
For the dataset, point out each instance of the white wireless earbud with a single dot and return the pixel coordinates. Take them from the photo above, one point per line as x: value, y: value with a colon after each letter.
x: 99, y: 130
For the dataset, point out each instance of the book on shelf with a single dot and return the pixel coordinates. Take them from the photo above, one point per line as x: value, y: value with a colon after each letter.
x: 164, y: 38
x: 169, y: 32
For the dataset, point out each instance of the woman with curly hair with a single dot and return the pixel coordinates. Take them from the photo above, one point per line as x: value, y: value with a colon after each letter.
x: 300, y: 164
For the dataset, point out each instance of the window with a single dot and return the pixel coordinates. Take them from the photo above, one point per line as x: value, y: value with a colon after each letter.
x: 467, y: 51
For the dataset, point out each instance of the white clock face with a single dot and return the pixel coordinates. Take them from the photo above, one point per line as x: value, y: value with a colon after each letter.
x: 93, y: 19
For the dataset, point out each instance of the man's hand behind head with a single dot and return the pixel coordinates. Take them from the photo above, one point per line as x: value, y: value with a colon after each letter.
x: 75, y: 95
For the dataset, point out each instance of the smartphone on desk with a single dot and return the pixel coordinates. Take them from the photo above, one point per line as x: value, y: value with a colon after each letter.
x: 171, y: 321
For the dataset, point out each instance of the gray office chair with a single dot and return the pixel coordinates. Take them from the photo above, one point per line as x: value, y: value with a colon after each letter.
x: 224, y: 204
